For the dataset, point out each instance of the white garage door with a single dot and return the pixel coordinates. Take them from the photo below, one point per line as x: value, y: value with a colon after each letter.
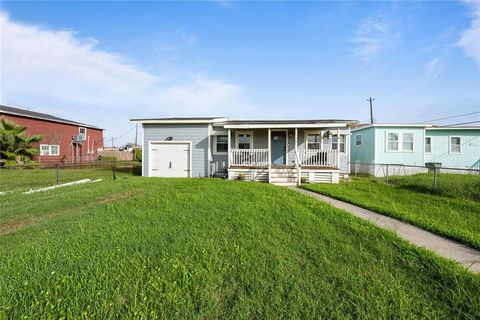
x: 169, y: 159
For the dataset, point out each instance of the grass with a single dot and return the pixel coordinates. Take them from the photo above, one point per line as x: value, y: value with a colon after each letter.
x: 22, y: 179
x: 465, y: 186
x: 204, y: 248
x: 455, y: 218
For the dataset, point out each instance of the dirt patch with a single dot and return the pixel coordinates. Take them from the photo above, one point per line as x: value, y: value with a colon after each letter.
x: 16, y: 225
x: 114, y: 197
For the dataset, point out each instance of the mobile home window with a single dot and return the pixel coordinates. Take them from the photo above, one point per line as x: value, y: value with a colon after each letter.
x: 313, y: 141
x: 221, y: 143
x: 358, y: 140
x: 244, y: 141
x: 428, y: 144
x: 336, y: 142
x: 392, y: 141
x: 407, y: 143
x: 455, y: 145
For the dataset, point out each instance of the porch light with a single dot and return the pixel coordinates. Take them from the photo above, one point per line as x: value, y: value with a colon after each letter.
x: 327, y: 134
x: 169, y: 139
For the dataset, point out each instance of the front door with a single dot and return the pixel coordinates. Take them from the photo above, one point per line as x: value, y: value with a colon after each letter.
x: 279, y: 147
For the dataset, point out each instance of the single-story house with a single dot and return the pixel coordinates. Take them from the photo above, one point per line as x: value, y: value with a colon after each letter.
x: 414, y: 144
x: 276, y: 151
x: 63, y: 140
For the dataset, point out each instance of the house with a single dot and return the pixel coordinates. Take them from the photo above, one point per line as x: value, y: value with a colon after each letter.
x: 63, y: 140
x: 414, y: 144
x: 277, y: 151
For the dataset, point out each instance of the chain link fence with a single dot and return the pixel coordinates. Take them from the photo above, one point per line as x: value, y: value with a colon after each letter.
x: 29, y: 177
x: 452, y: 182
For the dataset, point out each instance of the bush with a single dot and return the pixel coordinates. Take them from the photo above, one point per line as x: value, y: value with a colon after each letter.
x: 104, y: 158
x: 138, y: 154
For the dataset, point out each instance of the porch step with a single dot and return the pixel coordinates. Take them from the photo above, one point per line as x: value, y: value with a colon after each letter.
x: 283, y: 179
x: 285, y: 184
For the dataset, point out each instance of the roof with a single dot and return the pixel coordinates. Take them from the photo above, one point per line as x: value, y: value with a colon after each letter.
x: 226, y: 123
x: 41, y: 116
x: 362, y: 126
x: 181, y: 120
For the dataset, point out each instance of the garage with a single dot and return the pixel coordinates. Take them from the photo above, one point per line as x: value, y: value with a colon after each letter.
x: 170, y: 159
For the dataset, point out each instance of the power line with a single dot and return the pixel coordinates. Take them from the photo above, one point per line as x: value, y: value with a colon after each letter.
x: 451, y: 117
x: 459, y: 124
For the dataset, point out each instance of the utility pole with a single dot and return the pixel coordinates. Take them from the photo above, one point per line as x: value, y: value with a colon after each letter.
x: 112, y: 142
x: 136, y: 134
x: 371, y: 109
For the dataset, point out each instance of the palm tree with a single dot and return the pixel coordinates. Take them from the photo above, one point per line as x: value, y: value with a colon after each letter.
x: 15, y: 144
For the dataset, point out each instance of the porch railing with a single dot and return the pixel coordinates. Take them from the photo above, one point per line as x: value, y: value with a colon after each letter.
x: 249, y: 157
x: 318, y: 158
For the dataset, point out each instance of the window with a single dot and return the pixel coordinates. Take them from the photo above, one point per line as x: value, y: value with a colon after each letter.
x: 407, y: 143
x: 44, y: 150
x: 335, y: 143
x: 455, y: 145
x: 428, y: 145
x: 82, y: 132
x: 392, y: 141
x: 54, y: 150
x: 49, y: 150
x: 358, y: 140
x: 244, y: 140
x: 220, y: 143
x: 313, y: 141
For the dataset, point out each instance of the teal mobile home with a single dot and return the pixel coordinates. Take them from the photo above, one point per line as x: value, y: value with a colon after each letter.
x: 414, y: 144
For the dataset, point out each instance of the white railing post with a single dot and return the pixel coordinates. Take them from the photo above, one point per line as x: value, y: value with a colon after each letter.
x: 269, y: 155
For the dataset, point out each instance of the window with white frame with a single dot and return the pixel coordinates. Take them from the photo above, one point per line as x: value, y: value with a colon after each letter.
x: 392, y: 141
x: 313, y: 140
x: 428, y: 144
x: 82, y: 131
x: 338, y: 142
x: 358, y: 140
x: 49, y: 150
x: 455, y: 145
x: 244, y: 140
x: 220, y: 144
x: 407, y: 141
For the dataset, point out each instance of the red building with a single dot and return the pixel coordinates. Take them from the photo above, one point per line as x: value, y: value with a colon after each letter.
x: 63, y: 140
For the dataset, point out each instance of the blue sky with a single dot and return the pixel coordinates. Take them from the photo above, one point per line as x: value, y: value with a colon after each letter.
x: 106, y: 62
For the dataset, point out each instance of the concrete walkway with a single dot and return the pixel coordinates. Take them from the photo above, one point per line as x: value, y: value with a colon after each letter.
x: 467, y: 256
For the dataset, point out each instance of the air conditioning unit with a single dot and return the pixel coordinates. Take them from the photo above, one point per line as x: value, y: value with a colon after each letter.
x: 78, y: 138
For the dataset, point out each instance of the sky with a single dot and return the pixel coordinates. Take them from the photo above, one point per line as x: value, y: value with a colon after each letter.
x: 104, y: 63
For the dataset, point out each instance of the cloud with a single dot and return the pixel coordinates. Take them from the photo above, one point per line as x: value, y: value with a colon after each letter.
x: 61, y: 73
x: 470, y: 38
x: 434, y: 67
x: 370, y: 39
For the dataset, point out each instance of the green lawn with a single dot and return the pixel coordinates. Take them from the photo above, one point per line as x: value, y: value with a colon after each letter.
x: 456, y: 218
x: 204, y: 248
x: 465, y: 186
x: 24, y: 179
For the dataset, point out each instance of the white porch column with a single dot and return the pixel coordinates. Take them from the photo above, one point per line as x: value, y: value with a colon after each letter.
x: 321, y: 140
x: 229, y: 148
x: 297, y: 157
x: 269, y: 154
x: 338, y: 148
x: 296, y: 140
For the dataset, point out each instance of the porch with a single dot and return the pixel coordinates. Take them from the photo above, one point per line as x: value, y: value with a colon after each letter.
x: 286, y: 155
